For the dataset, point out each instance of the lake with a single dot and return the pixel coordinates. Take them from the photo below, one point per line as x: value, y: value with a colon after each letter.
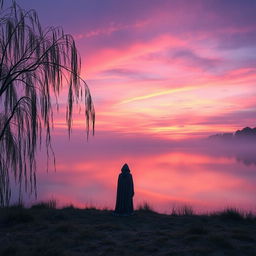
x: 204, y: 175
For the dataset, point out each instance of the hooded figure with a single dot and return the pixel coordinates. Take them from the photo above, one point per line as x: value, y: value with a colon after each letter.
x: 125, y: 192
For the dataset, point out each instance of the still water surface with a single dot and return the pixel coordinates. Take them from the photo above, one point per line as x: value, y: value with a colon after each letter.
x: 166, y: 174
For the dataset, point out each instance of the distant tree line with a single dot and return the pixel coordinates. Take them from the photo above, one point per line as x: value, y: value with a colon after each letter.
x: 245, y: 133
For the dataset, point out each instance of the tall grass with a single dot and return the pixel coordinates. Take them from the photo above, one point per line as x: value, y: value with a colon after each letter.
x: 146, y: 207
x: 231, y: 214
x: 50, y: 204
x: 185, y: 210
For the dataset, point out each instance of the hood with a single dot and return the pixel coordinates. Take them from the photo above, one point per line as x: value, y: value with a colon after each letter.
x: 125, y: 169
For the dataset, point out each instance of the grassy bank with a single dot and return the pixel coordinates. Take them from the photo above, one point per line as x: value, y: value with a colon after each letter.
x: 44, y: 230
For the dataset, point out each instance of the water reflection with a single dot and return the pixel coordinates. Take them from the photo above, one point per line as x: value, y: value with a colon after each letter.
x: 247, y: 159
x: 165, y: 174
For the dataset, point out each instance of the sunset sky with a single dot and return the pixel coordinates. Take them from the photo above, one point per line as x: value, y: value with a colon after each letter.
x: 172, y: 69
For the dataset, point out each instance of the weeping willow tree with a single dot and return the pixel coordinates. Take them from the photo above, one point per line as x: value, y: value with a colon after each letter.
x: 35, y: 65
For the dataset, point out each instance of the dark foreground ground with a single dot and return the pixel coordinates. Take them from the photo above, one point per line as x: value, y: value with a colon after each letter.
x: 43, y: 230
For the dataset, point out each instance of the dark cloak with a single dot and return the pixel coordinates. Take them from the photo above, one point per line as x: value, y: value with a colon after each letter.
x: 125, y: 192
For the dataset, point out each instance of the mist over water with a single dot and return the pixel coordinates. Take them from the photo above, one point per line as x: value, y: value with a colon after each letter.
x: 207, y: 175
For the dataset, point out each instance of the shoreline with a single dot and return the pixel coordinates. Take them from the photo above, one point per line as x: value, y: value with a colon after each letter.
x: 45, y: 230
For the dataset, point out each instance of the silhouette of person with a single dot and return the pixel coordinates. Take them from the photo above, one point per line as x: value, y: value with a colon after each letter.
x: 125, y: 193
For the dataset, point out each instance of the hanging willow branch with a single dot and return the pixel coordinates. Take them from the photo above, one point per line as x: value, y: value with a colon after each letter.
x: 34, y: 66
